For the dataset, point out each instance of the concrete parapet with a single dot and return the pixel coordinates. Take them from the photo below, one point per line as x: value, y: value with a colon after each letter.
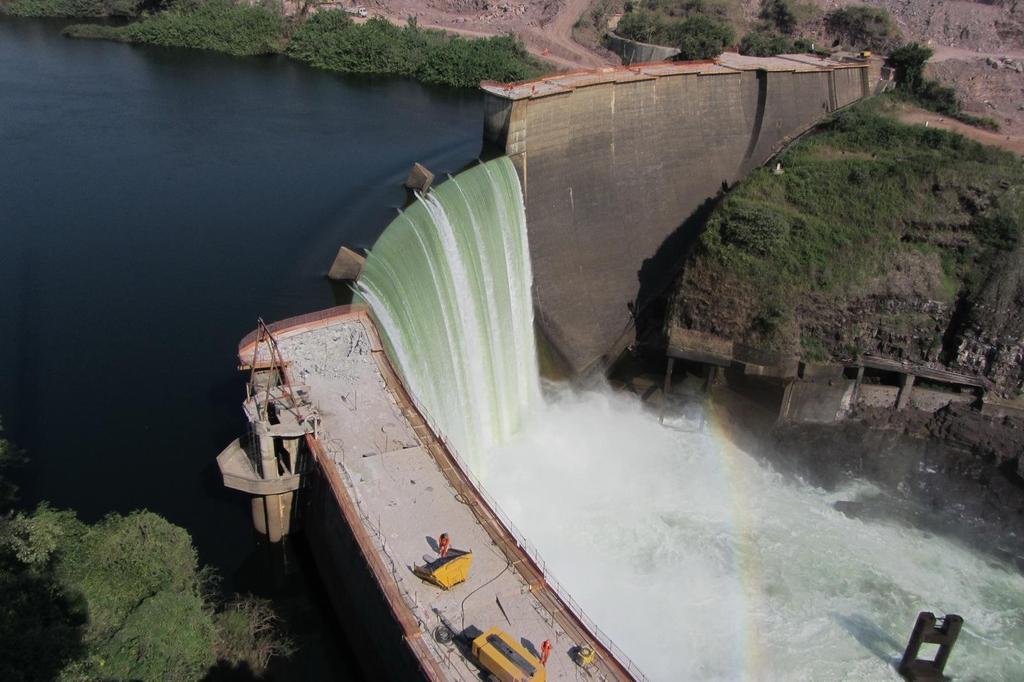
x: 635, y: 52
x: 810, y: 371
x: 690, y: 344
x: 815, y: 402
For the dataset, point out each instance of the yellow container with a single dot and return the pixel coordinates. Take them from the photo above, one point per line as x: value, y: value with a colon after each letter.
x: 507, y: 659
x: 447, y: 572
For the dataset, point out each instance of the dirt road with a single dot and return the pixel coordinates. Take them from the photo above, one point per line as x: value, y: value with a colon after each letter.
x: 544, y: 26
x: 556, y: 37
x: 1013, y: 143
x: 943, y: 53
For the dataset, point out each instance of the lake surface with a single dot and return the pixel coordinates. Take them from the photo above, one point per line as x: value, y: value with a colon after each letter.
x: 153, y: 203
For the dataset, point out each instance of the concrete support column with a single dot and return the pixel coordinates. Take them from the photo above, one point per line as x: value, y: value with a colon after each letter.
x: 272, y: 515
x: 711, y: 373
x: 279, y: 515
x: 856, y: 386
x: 259, y: 515
x: 666, y: 388
x: 906, y: 386
x: 786, y: 403
x: 268, y: 458
x: 291, y: 446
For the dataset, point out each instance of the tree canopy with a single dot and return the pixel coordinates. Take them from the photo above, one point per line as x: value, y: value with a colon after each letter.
x: 121, y: 599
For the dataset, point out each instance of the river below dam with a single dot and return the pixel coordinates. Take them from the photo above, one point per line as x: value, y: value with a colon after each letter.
x: 153, y: 203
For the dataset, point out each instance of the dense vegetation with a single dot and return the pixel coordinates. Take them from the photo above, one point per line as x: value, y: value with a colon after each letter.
x: 698, y: 34
x: 776, y: 31
x: 122, y: 599
x: 331, y: 40
x: 75, y: 8
x: 863, y: 27
x: 213, y: 25
x: 698, y: 26
x: 865, y: 198
x: 768, y: 44
x: 909, y: 62
x: 328, y: 40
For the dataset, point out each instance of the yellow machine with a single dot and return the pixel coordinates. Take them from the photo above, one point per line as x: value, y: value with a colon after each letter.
x: 584, y: 655
x: 446, y: 572
x: 507, y: 659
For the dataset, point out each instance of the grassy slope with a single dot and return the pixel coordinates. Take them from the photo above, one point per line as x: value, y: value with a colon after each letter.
x: 868, y: 209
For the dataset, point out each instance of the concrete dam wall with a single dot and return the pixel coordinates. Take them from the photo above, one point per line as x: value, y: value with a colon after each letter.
x: 614, y: 162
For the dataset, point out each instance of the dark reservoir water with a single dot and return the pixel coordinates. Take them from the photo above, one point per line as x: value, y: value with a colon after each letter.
x: 153, y: 203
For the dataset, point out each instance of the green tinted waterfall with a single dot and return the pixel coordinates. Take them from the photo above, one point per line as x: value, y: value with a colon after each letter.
x: 449, y: 285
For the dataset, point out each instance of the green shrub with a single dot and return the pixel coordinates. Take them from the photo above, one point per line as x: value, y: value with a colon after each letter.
x: 644, y: 26
x: 779, y: 14
x: 124, y: 599
x: 909, y: 62
x: 465, y: 63
x: 764, y: 43
x: 756, y: 229
x: 331, y: 40
x: 701, y: 37
x: 863, y: 27
x: 700, y: 29
x: 75, y: 8
x: 214, y: 25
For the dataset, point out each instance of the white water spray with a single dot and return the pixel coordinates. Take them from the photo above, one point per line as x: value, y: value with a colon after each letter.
x: 700, y: 562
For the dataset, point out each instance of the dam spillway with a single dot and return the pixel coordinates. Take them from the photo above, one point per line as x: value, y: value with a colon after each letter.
x: 449, y: 283
x: 614, y: 162
x: 693, y: 555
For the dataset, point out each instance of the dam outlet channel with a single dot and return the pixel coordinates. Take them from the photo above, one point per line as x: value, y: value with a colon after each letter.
x: 691, y: 554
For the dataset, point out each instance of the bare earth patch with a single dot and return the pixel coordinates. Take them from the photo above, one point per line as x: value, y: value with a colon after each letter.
x: 544, y: 26
x: 1013, y: 143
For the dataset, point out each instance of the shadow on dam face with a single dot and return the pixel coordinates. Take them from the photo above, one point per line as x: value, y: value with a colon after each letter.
x: 620, y: 168
x: 659, y: 271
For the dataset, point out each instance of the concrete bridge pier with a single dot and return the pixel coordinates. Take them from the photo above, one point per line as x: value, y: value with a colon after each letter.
x: 270, y: 463
x: 272, y: 515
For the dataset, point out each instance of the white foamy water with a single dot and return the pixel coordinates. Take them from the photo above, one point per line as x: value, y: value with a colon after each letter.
x: 698, y: 561
x: 703, y: 564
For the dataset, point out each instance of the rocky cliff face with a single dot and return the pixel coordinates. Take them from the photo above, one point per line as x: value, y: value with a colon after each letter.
x: 990, y: 342
x: 878, y: 238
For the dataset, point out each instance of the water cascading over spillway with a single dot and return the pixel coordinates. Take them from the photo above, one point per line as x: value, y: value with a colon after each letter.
x: 695, y: 557
x: 449, y: 283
